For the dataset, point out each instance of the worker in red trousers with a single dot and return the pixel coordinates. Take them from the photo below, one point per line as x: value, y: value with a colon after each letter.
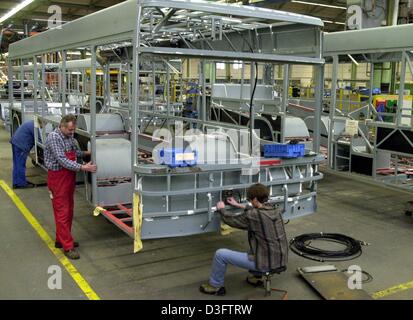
x: 61, y: 153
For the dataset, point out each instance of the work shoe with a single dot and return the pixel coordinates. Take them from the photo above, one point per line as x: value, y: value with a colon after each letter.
x: 72, y: 254
x: 58, y: 245
x: 41, y: 184
x: 255, y: 281
x: 27, y: 186
x: 208, y: 289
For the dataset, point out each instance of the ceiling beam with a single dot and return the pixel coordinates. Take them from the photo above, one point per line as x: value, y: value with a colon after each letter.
x: 64, y: 4
x: 93, y: 5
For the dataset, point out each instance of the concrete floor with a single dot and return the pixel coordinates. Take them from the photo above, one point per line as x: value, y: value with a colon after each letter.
x: 174, y: 268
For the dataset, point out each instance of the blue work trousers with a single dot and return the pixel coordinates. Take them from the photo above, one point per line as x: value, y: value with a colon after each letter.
x: 19, y: 166
x: 222, y: 258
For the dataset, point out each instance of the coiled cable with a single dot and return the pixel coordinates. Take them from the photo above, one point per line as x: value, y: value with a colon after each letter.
x: 302, y: 246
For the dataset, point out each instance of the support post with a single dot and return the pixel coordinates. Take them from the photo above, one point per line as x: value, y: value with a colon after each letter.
x: 400, y: 103
x: 93, y: 122
x: 284, y: 106
x: 332, y: 111
x: 64, y: 82
x: 11, y: 93
x: 319, y: 90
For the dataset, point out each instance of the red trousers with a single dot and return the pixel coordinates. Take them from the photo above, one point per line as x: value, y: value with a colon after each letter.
x: 62, y: 185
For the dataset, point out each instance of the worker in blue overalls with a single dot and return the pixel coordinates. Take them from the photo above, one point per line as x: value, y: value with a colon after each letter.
x: 22, y: 142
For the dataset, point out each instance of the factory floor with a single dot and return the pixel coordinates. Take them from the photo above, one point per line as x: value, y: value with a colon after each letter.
x: 174, y: 268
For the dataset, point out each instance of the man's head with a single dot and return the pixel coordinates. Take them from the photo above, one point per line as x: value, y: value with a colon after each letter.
x: 257, y: 194
x: 68, y: 125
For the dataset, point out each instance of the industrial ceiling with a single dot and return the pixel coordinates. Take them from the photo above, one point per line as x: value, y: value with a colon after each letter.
x: 34, y: 17
x: 36, y: 12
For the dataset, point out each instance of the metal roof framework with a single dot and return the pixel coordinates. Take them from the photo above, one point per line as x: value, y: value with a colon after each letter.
x: 376, y: 45
x: 374, y: 40
x: 117, y: 23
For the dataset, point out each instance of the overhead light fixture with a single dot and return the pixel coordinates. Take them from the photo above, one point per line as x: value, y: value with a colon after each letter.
x: 333, y: 22
x: 352, y: 59
x: 237, y: 65
x: 320, y: 5
x: 16, y: 9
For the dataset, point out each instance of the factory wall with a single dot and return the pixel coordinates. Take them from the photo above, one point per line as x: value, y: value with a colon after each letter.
x: 299, y: 74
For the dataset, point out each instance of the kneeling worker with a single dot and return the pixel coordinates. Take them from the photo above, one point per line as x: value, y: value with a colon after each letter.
x: 266, y: 237
x: 60, y: 155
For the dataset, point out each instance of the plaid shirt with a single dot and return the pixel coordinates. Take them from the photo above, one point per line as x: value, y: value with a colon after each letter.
x: 266, y: 235
x: 57, y: 144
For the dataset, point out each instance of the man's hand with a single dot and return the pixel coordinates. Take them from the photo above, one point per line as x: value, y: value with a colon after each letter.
x: 234, y: 203
x: 89, y: 167
x: 220, y: 205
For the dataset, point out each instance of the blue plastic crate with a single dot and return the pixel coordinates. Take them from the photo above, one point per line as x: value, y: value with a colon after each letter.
x: 176, y: 157
x: 284, y: 150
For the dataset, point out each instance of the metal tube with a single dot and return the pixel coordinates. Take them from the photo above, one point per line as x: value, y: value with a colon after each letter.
x: 409, y: 63
x: 107, y: 86
x: 168, y: 93
x: 36, y: 132
x: 93, y: 122
x: 69, y: 82
x: 395, y: 12
x: 203, y: 81
x: 332, y: 111
x: 164, y: 20
x: 42, y: 90
x: 79, y: 100
x: 242, y: 81
x: 319, y: 89
x: 371, y: 84
x: 401, y: 90
x: 154, y: 85
x: 374, y: 151
x: 11, y: 93
x: 128, y: 86
x: 284, y: 105
x: 23, y: 108
x: 252, y: 113
x: 84, y: 90
x: 63, y: 85
x: 35, y: 85
x: 135, y: 96
x: 120, y: 83
x: 181, y: 82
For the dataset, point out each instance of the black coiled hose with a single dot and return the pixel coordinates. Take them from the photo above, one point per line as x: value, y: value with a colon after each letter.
x: 301, y: 245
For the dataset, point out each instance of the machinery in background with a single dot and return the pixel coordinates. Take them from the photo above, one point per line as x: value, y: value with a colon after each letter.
x: 190, y: 106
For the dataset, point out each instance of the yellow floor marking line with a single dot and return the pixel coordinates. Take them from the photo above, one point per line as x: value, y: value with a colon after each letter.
x: 77, y: 277
x: 393, y: 290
